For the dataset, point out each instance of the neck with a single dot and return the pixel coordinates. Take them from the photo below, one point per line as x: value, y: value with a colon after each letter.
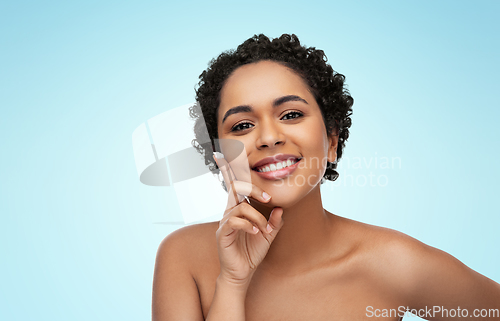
x: 304, y: 237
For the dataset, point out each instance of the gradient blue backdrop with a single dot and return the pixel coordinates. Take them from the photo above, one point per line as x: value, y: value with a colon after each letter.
x: 78, y: 234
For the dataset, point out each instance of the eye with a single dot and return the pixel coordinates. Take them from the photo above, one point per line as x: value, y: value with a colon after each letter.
x: 292, y: 115
x: 241, y: 126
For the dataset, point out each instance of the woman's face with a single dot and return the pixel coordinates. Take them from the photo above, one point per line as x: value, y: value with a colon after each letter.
x: 270, y: 109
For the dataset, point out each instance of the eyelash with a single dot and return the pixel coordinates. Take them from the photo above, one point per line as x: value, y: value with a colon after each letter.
x: 235, y: 127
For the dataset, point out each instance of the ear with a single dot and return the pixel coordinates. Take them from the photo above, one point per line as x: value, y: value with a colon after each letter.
x: 333, y: 141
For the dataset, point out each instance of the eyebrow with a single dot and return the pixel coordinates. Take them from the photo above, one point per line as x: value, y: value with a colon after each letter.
x: 277, y: 102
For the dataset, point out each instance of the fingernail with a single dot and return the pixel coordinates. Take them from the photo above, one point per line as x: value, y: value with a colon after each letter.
x: 218, y: 155
x: 265, y: 196
x: 269, y: 228
x: 255, y: 230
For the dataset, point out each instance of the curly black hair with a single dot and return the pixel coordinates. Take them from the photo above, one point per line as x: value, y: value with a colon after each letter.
x: 327, y: 87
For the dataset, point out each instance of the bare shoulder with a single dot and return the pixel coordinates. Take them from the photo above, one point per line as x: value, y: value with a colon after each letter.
x: 175, y: 291
x: 415, y: 271
x: 189, y: 241
x: 387, y: 255
x: 382, y: 242
x: 190, y: 232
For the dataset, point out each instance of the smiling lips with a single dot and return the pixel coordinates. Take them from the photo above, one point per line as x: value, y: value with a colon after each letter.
x: 277, y: 167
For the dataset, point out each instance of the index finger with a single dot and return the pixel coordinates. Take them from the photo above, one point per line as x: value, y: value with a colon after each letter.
x: 229, y: 178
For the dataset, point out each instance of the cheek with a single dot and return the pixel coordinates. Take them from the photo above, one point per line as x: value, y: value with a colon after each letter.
x: 317, y: 151
x: 318, y: 142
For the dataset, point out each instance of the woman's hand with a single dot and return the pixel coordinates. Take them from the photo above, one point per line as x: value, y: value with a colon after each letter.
x: 244, y: 235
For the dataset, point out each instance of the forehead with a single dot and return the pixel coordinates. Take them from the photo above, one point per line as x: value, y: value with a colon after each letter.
x: 260, y: 83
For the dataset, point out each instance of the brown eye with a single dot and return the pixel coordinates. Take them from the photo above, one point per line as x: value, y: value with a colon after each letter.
x: 241, y: 126
x: 292, y: 115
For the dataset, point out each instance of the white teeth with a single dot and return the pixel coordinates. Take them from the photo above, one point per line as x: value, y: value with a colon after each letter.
x: 276, y: 166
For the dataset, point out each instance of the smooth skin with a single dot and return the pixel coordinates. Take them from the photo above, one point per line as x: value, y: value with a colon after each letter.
x: 311, y: 264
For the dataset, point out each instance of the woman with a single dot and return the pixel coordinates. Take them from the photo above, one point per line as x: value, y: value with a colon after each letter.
x: 279, y: 255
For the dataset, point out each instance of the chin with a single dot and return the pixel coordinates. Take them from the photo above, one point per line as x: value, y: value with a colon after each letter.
x: 287, y: 196
x: 289, y: 191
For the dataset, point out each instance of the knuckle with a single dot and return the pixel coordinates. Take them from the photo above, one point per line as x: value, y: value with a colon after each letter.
x: 245, y: 206
x: 233, y: 211
x: 232, y: 221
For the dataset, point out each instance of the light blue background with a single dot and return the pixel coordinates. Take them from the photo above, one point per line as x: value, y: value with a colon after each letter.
x: 78, y: 234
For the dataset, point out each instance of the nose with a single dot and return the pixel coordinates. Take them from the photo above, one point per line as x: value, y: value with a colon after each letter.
x: 270, y: 136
